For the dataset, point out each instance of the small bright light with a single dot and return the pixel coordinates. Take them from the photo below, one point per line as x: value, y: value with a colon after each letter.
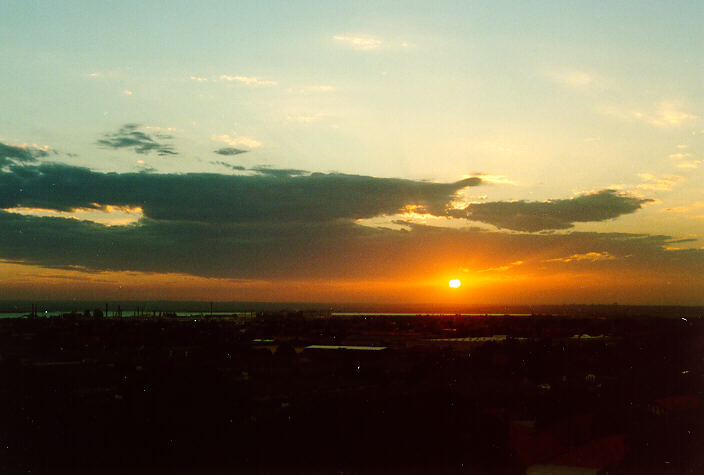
x: 454, y: 283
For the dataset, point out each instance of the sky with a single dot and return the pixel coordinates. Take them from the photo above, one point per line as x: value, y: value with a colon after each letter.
x: 539, y: 152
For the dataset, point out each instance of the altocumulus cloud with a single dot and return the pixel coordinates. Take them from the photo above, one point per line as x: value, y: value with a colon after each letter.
x: 129, y: 136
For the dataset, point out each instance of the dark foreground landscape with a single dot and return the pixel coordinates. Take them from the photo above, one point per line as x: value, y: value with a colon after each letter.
x: 274, y: 392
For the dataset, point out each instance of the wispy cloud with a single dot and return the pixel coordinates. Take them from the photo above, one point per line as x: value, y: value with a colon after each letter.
x: 248, y: 80
x: 658, y: 183
x: 313, y: 89
x: 229, y: 151
x: 160, y: 130
x: 252, y: 81
x: 501, y: 268
x: 362, y: 43
x: 688, y: 164
x: 684, y: 159
x: 571, y: 78
x: 304, y: 118
x: 585, y: 257
x: 131, y: 137
x: 622, y: 113
x: 671, y: 114
x: 496, y: 179
x: 666, y: 114
x: 320, y: 88
x: 649, y: 183
x: 237, y: 141
x: 680, y: 155
x: 229, y: 165
x: 697, y: 205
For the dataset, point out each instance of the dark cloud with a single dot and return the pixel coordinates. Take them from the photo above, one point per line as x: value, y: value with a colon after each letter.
x: 229, y: 165
x: 279, y: 172
x: 228, y: 151
x: 129, y: 136
x: 535, y: 216
x: 315, y: 250
x: 13, y: 154
x: 289, y: 224
x: 268, y: 196
x: 288, y: 195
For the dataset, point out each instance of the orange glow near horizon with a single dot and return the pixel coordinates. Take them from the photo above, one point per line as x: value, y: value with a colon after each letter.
x: 520, y: 286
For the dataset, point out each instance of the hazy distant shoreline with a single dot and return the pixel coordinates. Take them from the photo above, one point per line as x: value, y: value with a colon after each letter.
x: 128, y: 308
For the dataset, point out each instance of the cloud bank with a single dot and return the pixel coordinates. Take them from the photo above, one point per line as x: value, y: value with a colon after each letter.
x: 322, y: 250
x: 269, y: 195
x: 271, y: 223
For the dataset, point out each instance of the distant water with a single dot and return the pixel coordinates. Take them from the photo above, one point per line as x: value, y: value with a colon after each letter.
x: 127, y: 314
x: 11, y: 315
x: 12, y: 308
x: 679, y: 312
x: 429, y: 314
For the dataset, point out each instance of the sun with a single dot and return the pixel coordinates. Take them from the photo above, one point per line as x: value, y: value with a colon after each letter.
x: 454, y: 283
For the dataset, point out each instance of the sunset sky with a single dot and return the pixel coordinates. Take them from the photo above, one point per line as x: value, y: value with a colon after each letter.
x: 540, y: 152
